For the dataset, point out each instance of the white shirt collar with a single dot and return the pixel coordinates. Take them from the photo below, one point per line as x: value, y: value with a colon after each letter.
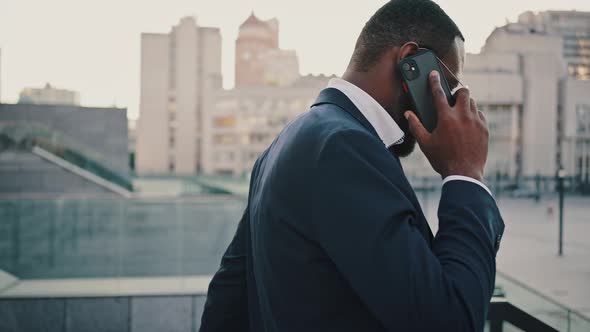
x: 387, y: 129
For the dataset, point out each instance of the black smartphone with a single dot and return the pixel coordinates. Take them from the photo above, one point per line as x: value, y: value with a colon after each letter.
x: 415, y: 70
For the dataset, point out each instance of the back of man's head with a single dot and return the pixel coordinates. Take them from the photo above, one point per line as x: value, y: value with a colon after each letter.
x: 401, y: 21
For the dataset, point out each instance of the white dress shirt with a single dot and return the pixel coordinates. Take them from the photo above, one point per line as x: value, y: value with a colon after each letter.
x: 387, y: 129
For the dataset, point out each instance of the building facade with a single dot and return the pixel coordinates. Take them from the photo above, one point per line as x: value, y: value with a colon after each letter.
x: 49, y: 95
x: 572, y: 26
x: 575, y: 131
x: 535, y: 105
x: 243, y: 122
x: 72, y: 138
x: 98, y: 133
x: 179, y: 71
x: 259, y: 60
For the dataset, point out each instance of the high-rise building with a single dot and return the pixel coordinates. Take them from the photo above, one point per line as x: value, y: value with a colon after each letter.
x: 49, y: 95
x: 574, y: 29
x: 259, y: 60
x: 179, y: 70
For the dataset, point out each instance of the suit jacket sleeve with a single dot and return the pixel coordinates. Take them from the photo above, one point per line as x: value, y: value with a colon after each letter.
x: 364, y: 221
x: 226, y: 308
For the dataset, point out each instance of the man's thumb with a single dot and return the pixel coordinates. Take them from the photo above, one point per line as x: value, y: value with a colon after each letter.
x: 416, y: 126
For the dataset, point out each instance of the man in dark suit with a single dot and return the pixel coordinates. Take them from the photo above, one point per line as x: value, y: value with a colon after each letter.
x: 333, y: 238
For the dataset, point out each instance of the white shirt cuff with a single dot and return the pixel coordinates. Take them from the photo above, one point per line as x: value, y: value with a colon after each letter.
x: 468, y: 179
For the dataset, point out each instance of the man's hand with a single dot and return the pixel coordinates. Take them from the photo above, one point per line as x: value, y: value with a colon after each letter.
x: 459, y: 143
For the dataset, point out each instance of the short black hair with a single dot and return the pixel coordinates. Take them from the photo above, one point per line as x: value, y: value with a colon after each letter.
x: 401, y: 21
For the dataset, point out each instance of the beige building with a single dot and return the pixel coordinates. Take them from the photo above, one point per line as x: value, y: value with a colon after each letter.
x: 259, y: 60
x: 243, y: 122
x: 179, y: 70
x: 49, y: 95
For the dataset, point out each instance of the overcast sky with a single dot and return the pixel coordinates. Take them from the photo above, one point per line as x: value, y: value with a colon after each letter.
x: 93, y: 46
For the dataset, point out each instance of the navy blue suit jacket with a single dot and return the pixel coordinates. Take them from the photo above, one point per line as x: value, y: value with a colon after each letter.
x: 334, y: 239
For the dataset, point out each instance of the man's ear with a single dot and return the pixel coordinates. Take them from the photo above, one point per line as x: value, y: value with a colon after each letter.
x: 407, y: 49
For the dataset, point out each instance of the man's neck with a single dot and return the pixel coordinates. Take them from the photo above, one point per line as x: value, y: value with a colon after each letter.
x: 368, y: 82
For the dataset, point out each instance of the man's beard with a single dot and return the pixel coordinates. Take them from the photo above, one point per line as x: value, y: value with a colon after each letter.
x: 405, y: 148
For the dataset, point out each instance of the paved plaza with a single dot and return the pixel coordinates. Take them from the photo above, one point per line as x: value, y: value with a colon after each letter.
x: 528, y: 252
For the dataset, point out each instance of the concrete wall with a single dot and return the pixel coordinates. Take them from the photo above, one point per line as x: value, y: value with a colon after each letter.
x: 542, y: 73
x: 187, y: 75
x: 176, y: 313
x: 23, y: 172
x: 98, y: 133
x: 574, y: 95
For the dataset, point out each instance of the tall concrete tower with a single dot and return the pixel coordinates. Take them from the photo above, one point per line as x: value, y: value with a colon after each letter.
x: 179, y: 70
x: 259, y: 60
x: 255, y: 38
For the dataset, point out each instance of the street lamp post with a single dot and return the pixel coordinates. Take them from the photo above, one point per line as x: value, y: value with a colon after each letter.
x: 560, y: 177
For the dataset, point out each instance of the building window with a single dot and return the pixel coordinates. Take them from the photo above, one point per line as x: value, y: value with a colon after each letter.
x: 579, y: 71
x: 583, y: 142
x: 224, y: 139
x: 224, y: 121
x: 258, y: 138
x: 499, y: 118
x: 583, y: 119
x: 257, y: 120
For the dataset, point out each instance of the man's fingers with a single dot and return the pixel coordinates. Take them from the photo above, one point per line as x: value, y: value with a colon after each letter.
x: 482, y: 116
x: 463, y: 101
x: 416, y: 127
x: 438, y: 95
x: 472, y: 106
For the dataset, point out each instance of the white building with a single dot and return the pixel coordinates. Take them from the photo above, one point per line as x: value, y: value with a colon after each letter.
x: 48, y: 95
x: 178, y: 72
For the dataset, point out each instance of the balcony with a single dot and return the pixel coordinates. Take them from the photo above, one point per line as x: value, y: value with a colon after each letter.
x: 176, y: 304
x: 144, y: 263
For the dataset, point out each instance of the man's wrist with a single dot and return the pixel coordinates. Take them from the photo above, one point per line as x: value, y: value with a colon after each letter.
x: 470, y: 174
x: 468, y: 179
